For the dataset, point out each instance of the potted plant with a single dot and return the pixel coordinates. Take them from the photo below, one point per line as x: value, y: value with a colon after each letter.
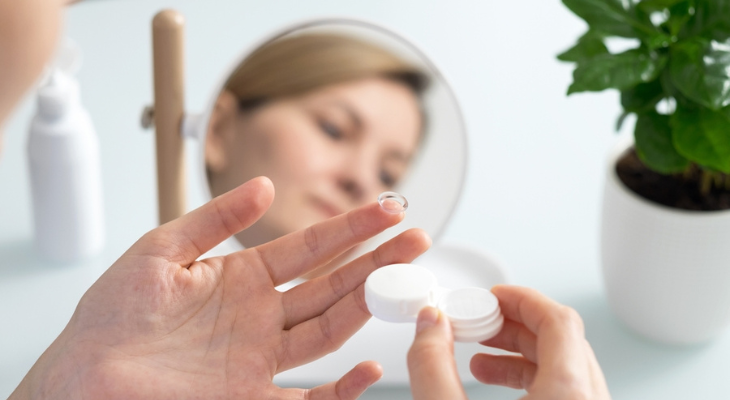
x: 665, y: 233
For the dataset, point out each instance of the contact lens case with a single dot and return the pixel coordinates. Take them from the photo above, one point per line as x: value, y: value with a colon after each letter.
x: 396, y: 293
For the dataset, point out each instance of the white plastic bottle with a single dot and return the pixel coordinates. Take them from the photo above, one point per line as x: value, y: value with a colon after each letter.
x: 65, y: 173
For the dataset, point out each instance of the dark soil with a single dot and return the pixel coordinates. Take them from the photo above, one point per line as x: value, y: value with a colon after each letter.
x: 676, y: 191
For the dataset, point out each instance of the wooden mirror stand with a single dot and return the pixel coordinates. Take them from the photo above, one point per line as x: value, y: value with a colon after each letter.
x: 169, y: 102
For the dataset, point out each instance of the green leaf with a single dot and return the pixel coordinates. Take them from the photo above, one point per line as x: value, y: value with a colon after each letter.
x: 679, y: 14
x: 659, y: 41
x: 700, y: 69
x: 589, y: 45
x: 642, y: 97
x: 711, y: 20
x: 608, y: 16
x: 703, y: 136
x: 620, y: 71
x: 726, y: 112
x: 666, y: 79
x: 658, y: 5
x: 653, y: 143
x: 651, y: 35
x: 620, y: 120
x: 674, y: 15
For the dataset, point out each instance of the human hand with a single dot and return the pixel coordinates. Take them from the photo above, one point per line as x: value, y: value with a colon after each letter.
x: 556, y: 361
x: 160, y: 325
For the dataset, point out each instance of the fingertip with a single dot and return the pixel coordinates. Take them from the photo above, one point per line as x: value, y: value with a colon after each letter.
x: 374, y: 369
x: 387, y: 213
x: 476, y: 366
x: 392, y: 206
x: 263, y: 185
x: 427, y: 318
x: 379, y: 369
x: 416, y: 240
x: 499, y: 288
x: 259, y: 192
x: 264, y: 181
x: 482, y: 366
x: 422, y: 236
x: 510, y: 371
x: 502, y: 290
x: 358, y: 380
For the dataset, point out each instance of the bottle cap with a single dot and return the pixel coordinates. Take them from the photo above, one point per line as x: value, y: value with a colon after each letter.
x: 57, y: 95
x: 396, y: 293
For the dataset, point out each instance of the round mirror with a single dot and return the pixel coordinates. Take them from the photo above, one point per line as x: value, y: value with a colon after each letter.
x: 335, y: 112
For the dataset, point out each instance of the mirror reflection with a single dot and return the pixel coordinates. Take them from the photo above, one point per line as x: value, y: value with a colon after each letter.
x: 332, y: 119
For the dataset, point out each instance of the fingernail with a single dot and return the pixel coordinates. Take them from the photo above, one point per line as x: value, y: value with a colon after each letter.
x: 392, y: 202
x: 392, y: 206
x: 427, y: 318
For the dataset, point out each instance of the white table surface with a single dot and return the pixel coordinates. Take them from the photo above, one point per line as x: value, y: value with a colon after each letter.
x: 534, y: 202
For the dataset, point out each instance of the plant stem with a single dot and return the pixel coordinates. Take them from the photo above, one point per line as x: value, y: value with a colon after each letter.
x: 706, y: 183
x: 687, y: 174
x: 718, y: 179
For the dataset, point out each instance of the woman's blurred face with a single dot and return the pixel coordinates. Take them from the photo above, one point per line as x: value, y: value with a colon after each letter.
x: 327, y: 151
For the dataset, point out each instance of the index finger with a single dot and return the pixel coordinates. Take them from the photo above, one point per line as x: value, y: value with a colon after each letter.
x: 297, y: 253
x: 559, y: 329
x: 185, y: 239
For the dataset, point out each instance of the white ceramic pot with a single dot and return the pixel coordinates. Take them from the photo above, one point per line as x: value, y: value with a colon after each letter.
x: 666, y: 271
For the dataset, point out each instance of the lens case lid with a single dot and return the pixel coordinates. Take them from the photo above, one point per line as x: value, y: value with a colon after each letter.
x: 397, y: 292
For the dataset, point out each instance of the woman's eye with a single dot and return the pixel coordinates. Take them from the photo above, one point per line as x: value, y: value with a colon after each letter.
x: 330, y: 130
x: 387, y: 179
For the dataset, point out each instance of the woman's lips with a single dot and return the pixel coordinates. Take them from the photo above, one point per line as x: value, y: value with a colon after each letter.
x: 327, y: 208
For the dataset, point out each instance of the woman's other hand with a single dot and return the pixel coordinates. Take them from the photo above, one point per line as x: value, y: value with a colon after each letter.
x: 554, y: 362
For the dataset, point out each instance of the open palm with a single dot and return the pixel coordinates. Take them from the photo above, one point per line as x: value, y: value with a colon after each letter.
x: 161, y: 325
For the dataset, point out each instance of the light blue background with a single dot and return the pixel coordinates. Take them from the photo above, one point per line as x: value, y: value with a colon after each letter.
x: 532, y: 196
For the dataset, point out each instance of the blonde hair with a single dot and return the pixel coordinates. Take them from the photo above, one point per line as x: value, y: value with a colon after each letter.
x: 297, y: 64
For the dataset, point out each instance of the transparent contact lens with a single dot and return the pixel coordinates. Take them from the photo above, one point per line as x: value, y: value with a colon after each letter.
x: 392, y: 202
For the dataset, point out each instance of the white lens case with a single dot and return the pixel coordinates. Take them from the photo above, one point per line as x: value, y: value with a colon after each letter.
x: 396, y: 293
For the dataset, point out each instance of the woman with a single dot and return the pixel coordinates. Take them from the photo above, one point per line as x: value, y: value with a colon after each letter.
x: 162, y: 324
x: 332, y: 120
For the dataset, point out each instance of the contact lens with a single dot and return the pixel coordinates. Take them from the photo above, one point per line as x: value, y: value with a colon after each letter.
x: 392, y: 202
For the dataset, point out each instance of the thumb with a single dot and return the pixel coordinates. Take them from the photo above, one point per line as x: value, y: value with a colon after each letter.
x: 431, y: 363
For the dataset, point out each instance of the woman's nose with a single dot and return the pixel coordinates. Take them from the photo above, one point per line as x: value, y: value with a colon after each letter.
x: 352, y: 188
x: 357, y: 177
